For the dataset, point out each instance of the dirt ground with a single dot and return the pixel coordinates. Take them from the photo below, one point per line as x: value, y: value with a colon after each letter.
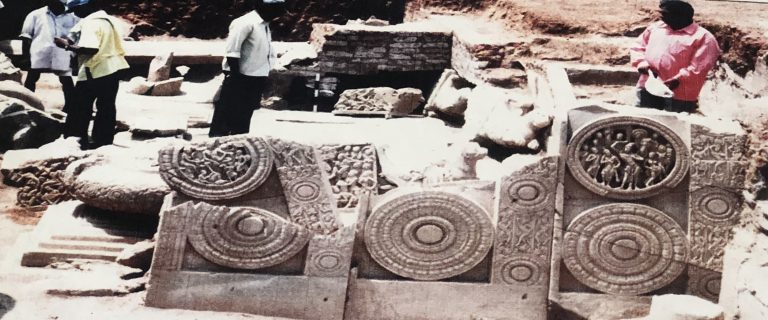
x: 585, y: 29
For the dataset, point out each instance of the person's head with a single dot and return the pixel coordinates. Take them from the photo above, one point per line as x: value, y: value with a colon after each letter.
x: 269, y: 9
x: 676, y: 14
x: 82, y: 8
x: 56, y: 6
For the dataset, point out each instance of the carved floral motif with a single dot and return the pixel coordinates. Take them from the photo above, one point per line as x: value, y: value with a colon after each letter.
x: 524, y: 231
x: 306, y: 188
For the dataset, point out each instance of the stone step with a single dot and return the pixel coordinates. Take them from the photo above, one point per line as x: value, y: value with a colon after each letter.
x: 83, y: 246
x: 49, y: 256
x: 113, y: 238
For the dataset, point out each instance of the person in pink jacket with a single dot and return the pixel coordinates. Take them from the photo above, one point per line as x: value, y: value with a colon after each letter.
x: 677, y: 51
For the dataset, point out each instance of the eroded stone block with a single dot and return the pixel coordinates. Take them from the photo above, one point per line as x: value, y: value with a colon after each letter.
x: 379, y: 101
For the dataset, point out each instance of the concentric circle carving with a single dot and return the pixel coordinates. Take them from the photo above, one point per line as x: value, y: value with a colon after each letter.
x: 529, y: 193
x: 328, y: 261
x: 707, y: 285
x: 521, y: 271
x: 219, y: 169
x: 716, y: 205
x: 246, y: 238
x: 626, y: 249
x: 304, y: 191
x: 429, y: 235
x: 627, y: 157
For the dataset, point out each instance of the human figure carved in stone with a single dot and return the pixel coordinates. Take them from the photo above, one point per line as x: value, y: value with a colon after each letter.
x: 626, y: 157
x: 610, y: 165
x: 631, y: 169
x: 654, y: 167
x: 351, y: 170
x: 592, y: 160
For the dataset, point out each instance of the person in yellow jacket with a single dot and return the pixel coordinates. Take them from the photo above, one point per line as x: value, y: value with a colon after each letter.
x: 101, y: 57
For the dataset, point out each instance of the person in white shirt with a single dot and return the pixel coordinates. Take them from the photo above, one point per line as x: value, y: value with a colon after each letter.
x: 248, y: 60
x: 40, y: 28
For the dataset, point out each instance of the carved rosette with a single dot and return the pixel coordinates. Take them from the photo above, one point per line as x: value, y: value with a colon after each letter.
x: 627, y: 158
x: 330, y: 255
x: 244, y: 238
x: 704, y: 283
x: 219, y: 169
x: 522, y: 249
x: 429, y: 235
x: 625, y: 249
x: 716, y: 206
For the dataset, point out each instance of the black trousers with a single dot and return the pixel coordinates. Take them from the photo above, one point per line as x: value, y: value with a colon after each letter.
x: 104, y: 92
x: 67, y: 85
x: 239, y: 96
x: 646, y: 100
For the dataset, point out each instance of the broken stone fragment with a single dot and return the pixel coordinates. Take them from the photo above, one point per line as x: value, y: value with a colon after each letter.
x: 121, y: 180
x: 505, y: 77
x: 8, y: 71
x: 382, y: 100
x: 449, y: 96
x: 506, y: 117
x: 138, y: 255
x: 169, y: 87
x: 682, y: 307
x: 160, y: 68
x: 13, y: 89
x: 24, y: 127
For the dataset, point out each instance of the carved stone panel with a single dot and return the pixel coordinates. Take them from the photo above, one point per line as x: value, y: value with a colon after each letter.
x: 717, y: 159
x: 625, y: 249
x: 718, y: 173
x: 330, y: 255
x: 429, y: 235
x: 42, y: 183
x: 172, y: 237
x: 310, y: 200
x: 244, y: 238
x: 522, y: 249
x: 627, y: 158
x: 220, y: 169
x: 704, y: 283
x: 351, y: 170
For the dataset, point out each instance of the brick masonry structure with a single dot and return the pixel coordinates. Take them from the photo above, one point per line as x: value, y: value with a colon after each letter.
x: 360, y: 49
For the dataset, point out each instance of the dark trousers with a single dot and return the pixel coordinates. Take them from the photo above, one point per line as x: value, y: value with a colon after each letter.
x: 646, y: 100
x: 239, y: 96
x: 104, y: 92
x: 67, y: 85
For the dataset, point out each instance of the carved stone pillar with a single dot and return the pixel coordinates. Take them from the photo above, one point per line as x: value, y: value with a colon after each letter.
x: 624, y: 224
x: 718, y: 170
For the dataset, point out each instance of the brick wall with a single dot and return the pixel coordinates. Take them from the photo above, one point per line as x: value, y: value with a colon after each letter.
x: 359, y: 49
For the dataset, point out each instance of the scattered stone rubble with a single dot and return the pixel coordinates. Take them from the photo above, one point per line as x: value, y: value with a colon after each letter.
x: 8, y: 71
x: 158, y: 81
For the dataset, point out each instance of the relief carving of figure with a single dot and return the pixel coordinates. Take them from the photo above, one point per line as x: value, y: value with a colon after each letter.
x: 627, y: 157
